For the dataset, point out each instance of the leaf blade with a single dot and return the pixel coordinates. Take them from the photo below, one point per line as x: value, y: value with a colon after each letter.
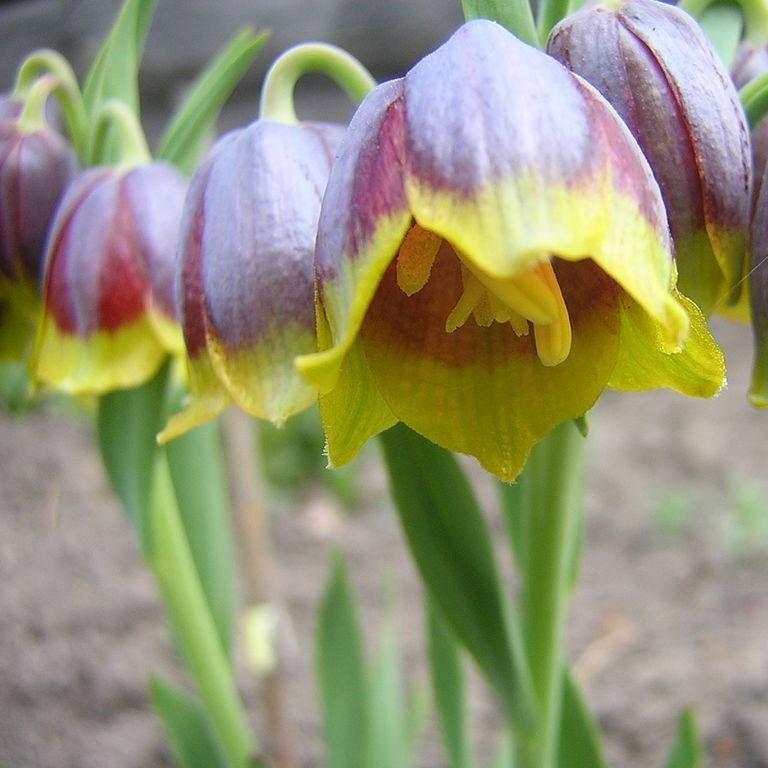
x: 686, y: 749
x: 186, y: 726
x: 198, y: 474
x: 450, y: 543
x: 181, y: 143
x: 341, y: 673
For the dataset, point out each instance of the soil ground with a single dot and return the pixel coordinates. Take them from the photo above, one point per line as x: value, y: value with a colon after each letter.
x: 671, y: 606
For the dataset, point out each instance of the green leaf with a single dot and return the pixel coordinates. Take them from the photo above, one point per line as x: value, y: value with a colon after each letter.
x: 199, y: 481
x: 513, y: 512
x: 388, y: 729
x: 448, y: 687
x: 505, y: 756
x: 450, y: 543
x: 183, y: 140
x: 515, y: 15
x: 115, y: 69
x: 723, y: 23
x: 686, y: 751
x: 579, y: 743
x: 341, y: 673
x: 127, y: 423
x: 192, y: 741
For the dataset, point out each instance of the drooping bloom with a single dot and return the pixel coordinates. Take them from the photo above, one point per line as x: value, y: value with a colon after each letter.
x: 244, y: 284
x: 492, y: 252
x: 655, y: 66
x: 35, y: 168
x: 109, y: 315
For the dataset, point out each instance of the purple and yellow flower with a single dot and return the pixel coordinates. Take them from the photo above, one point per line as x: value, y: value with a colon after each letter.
x: 655, y: 66
x: 109, y: 316
x: 492, y: 253
x: 36, y: 165
x: 245, y: 281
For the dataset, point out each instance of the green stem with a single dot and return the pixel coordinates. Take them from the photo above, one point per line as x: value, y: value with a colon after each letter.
x: 551, y: 505
x: 279, y: 85
x: 515, y: 15
x: 179, y: 584
x: 43, y: 61
x: 32, y: 117
x: 132, y: 143
x: 754, y: 99
x: 755, y: 16
x: 550, y: 13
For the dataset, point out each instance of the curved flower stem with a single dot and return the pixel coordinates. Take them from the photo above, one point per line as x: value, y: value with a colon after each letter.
x: 182, y: 593
x: 755, y: 16
x: 754, y: 99
x: 280, y: 82
x: 32, y: 117
x: 43, y: 61
x: 251, y: 524
x: 132, y: 143
x: 551, y: 509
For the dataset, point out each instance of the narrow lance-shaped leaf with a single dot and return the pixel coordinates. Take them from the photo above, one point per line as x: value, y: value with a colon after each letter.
x: 192, y: 742
x: 723, y: 24
x: 448, y: 688
x: 114, y: 71
x: 388, y: 734
x: 127, y: 423
x: 341, y: 674
x: 516, y: 16
x: 197, y: 470
x: 184, y: 138
x: 449, y: 541
x: 686, y: 750
x: 579, y: 744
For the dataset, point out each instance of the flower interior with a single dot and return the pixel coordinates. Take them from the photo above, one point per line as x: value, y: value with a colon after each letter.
x: 532, y: 297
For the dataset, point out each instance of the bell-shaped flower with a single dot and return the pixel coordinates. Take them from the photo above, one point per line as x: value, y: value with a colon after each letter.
x: 35, y: 168
x: 109, y: 317
x: 655, y: 66
x: 245, y: 281
x: 492, y: 252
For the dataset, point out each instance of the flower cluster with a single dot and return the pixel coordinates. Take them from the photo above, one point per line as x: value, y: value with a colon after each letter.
x: 495, y: 239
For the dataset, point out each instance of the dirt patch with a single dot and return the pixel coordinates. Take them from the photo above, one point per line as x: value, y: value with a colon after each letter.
x: 671, y: 606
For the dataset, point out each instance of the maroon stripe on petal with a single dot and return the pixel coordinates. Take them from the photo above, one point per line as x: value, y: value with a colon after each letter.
x: 123, y: 282
x: 58, y: 288
x: 366, y: 182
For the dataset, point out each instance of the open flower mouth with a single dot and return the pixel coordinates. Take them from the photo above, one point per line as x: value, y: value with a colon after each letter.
x: 532, y: 297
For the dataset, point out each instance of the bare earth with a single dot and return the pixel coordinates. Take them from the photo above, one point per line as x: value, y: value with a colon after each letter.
x: 671, y: 607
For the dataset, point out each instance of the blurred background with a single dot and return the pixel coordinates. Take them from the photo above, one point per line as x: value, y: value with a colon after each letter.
x: 671, y: 607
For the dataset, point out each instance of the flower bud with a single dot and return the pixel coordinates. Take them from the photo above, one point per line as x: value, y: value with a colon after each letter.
x: 655, y: 66
x: 108, y: 316
x: 35, y: 168
x: 245, y: 280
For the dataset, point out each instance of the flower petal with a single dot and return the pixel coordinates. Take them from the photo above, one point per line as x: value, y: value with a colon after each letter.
x: 354, y: 410
x: 94, y: 334
x: 484, y: 391
x: 521, y: 181
x: 362, y: 223
x: 697, y: 371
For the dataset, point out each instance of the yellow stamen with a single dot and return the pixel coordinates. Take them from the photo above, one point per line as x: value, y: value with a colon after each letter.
x: 532, y: 296
x: 553, y: 341
x: 415, y: 259
x: 471, y: 296
x: 483, y: 312
x: 528, y: 293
